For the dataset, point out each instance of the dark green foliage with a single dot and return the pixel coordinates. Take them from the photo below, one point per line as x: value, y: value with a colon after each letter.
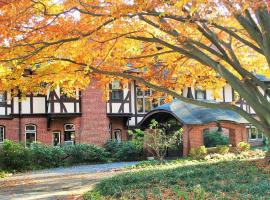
x: 214, y: 138
x: 45, y: 157
x: 15, y: 157
x: 85, y: 153
x: 126, y: 150
x: 266, y: 144
x: 217, y: 180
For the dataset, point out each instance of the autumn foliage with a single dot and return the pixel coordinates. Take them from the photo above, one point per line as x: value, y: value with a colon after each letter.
x: 163, y: 44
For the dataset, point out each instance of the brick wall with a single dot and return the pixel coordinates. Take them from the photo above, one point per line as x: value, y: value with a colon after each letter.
x: 11, y: 129
x: 44, y: 135
x: 94, y: 120
x: 92, y: 127
x: 119, y: 123
x: 193, y: 134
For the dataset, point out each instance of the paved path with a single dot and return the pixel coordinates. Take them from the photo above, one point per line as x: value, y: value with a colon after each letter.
x: 58, y: 183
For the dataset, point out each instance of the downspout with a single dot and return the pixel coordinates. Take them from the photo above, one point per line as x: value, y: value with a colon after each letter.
x: 19, y: 112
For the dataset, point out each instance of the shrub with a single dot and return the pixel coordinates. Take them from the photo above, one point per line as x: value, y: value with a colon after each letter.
x: 243, y: 146
x: 214, y: 138
x: 15, y: 156
x: 126, y: 150
x: 45, y: 157
x: 85, y: 153
x: 266, y: 144
x: 198, y: 153
x: 157, y: 140
x: 223, y: 149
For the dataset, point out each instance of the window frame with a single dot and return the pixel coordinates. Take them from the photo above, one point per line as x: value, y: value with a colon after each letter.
x: 65, y: 125
x: 5, y: 97
x: 30, y: 132
x: 72, y: 133
x: 146, y: 96
x: 59, y: 136
x: 118, y: 89
x: 120, y: 133
x: 4, y: 133
x: 249, y: 128
x: 203, y: 92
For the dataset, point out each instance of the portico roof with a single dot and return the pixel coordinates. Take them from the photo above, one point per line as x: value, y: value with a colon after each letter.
x: 192, y: 114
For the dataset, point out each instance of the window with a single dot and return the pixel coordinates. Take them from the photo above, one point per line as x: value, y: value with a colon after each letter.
x: 2, y: 97
x: 200, y: 94
x: 56, y: 138
x: 69, y: 127
x: 118, y: 135
x: 117, y: 92
x: 235, y: 96
x: 254, y: 133
x: 69, y: 134
x: 2, y: 134
x: 30, y: 134
x: 144, y: 101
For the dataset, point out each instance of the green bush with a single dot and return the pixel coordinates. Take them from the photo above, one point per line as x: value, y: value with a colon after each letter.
x: 243, y: 146
x: 266, y: 144
x: 214, y: 138
x: 15, y: 156
x: 45, y: 157
x: 85, y: 153
x: 126, y: 150
x: 198, y: 153
x: 222, y: 149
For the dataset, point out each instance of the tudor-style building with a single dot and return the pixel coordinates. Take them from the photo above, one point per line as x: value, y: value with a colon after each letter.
x: 54, y: 119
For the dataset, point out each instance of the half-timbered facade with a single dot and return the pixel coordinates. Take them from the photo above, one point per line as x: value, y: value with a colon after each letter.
x: 55, y: 119
x: 133, y: 104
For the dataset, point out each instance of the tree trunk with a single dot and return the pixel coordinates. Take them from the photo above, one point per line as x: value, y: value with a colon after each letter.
x: 267, y: 156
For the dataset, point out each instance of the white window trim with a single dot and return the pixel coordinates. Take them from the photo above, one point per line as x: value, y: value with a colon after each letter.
x: 65, y: 129
x: 59, y: 136
x: 120, y: 133
x: 5, y: 97
x: 249, y: 134
x: 3, y: 127
x: 144, y: 97
x: 30, y: 131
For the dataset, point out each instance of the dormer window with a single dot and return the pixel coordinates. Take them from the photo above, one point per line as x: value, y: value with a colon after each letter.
x: 116, y: 92
x: 2, y: 97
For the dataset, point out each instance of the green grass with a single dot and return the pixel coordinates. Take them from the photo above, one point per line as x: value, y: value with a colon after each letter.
x: 234, y: 179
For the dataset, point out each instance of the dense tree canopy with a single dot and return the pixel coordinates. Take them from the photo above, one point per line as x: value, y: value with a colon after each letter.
x: 163, y: 44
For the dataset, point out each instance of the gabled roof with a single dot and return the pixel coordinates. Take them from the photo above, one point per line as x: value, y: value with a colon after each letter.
x: 193, y: 114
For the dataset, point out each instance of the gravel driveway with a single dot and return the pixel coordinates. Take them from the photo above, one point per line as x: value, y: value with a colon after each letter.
x: 58, y: 183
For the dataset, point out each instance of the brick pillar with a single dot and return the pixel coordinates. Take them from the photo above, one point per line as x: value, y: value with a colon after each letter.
x: 196, y: 136
x: 185, y: 139
x: 232, y: 137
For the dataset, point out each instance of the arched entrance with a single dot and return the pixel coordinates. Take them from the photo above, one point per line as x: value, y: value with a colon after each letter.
x: 168, y: 122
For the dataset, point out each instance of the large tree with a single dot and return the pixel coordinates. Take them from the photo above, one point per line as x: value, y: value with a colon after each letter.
x: 164, y: 44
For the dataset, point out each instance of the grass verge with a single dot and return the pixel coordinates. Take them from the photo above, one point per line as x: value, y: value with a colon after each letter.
x: 231, y: 179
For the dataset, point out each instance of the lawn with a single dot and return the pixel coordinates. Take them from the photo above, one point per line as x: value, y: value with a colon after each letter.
x: 231, y: 179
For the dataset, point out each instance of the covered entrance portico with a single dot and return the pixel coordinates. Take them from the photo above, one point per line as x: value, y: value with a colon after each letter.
x: 195, y: 119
